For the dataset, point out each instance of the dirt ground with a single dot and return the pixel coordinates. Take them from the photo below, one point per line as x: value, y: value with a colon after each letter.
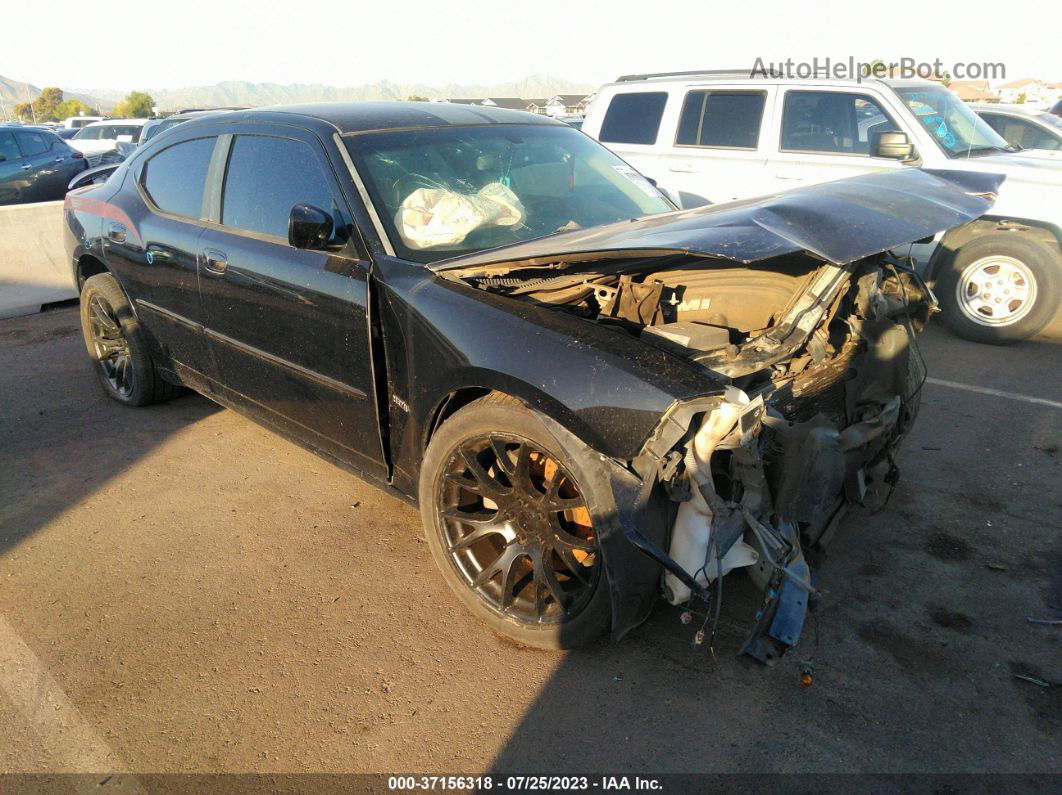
x: 182, y: 590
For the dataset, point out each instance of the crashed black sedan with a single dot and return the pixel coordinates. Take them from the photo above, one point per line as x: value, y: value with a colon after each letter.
x: 593, y: 397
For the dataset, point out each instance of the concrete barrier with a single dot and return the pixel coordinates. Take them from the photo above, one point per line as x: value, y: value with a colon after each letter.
x: 33, y: 265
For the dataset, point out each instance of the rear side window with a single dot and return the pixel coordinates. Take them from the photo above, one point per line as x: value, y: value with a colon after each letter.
x: 830, y: 121
x: 8, y: 147
x: 725, y: 119
x: 32, y: 143
x: 174, y: 178
x: 268, y: 176
x: 633, y: 118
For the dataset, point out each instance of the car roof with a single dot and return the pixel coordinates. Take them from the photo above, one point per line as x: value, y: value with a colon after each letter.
x: 126, y: 122
x: 356, y: 117
x: 729, y: 77
x: 1017, y: 110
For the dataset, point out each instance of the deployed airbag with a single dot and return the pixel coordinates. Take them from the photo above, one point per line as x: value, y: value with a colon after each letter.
x: 430, y: 217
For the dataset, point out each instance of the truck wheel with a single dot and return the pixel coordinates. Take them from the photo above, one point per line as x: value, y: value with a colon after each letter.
x: 117, y: 347
x: 1000, y: 288
x: 508, y: 525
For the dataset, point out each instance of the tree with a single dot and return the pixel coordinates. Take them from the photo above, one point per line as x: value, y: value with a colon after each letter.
x: 137, y: 104
x: 416, y: 98
x: 71, y: 107
x: 43, y: 107
x: 1021, y: 99
x: 23, y: 111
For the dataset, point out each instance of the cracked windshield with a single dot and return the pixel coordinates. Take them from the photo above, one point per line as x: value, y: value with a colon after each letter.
x: 452, y: 191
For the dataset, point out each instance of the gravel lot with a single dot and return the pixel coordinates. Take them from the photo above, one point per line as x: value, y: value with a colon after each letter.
x: 181, y: 590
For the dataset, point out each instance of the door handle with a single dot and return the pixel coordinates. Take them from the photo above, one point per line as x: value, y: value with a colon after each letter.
x: 682, y: 168
x: 26, y: 167
x: 58, y: 160
x: 215, y: 261
x: 117, y: 233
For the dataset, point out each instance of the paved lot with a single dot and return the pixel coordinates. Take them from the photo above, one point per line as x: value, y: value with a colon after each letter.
x: 182, y: 590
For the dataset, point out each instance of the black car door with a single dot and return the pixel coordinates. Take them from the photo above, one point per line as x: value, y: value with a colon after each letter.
x: 151, y: 239
x: 289, y: 326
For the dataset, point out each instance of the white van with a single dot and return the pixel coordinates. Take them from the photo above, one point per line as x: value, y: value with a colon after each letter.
x: 710, y: 137
x: 77, y: 122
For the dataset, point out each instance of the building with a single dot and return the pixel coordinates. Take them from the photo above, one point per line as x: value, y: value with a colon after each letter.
x: 537, y: 105
x: 1035, y: 92
x: 973, y: 91
x: 509, y: 103
x: 567, y: 105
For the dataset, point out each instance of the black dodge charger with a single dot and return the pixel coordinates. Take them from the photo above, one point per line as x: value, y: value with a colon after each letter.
x: 595, y: 398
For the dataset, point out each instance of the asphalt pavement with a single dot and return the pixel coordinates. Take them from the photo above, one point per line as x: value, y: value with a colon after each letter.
x: 182, y: 590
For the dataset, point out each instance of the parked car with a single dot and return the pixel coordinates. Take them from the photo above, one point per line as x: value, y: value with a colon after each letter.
x: 1023, y: 127
x: 155, y: 126
x: 118, y: 136
x: 35, y: 165
x: 77, y: 122
x: 490, y: 314
x: 1056, y: 109
x: 720, y: 136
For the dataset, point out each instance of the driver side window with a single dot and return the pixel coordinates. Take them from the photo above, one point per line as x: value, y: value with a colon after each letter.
x: 832, y: 122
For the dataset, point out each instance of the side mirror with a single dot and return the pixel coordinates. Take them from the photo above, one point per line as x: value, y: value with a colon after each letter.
x: 891, y: 144
x: 309, y: 227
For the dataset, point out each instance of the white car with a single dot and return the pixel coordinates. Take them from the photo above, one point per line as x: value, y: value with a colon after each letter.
x: 96, y: 139
x: 1023, y: 126
x: 713, y: 137
x: 77, y: 122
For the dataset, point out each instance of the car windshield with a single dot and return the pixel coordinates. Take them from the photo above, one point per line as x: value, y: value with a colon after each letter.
x: 956, y: 129
x: 447, y: 191
x: 109, y: 132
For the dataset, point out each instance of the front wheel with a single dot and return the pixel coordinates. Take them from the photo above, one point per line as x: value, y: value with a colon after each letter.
x: 508, y: 524
x: 1001, y: 288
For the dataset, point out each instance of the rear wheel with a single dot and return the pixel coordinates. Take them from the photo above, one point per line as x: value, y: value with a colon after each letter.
x: 1001, y: 288
x: 508, y: 525
x: 116, y: 345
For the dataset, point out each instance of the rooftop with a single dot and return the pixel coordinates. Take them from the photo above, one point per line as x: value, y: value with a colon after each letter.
x: 352, y: 117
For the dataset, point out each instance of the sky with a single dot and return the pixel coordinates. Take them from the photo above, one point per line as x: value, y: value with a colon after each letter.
x: 111, y: 45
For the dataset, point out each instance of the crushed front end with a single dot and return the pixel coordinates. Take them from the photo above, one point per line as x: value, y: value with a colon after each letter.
x: 802, y: 320
x: 767, y: 469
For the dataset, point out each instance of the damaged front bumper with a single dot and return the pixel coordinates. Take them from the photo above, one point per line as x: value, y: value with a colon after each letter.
x: 750, y: 479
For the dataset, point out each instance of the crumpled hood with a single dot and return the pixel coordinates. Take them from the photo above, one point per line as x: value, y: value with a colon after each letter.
x: 840, y: 222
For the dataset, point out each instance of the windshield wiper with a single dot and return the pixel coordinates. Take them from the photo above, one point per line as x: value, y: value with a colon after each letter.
x: 980, y: 150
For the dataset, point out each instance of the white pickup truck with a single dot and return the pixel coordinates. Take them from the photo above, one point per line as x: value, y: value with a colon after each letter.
x: 711, y: 137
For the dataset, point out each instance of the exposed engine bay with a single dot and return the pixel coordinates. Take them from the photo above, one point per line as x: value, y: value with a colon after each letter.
x: 821, y: 378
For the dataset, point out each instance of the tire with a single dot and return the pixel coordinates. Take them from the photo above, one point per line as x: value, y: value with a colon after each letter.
x: 1000, y: 288
x: 517, y: 535
x: 116, y: 345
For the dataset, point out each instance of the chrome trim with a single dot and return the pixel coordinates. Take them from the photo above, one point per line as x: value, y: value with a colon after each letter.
x: 258, y: 353
x: 305, y: 372
x: 166, y: 313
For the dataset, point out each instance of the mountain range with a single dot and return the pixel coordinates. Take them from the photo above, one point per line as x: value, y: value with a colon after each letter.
x: 241, y: 93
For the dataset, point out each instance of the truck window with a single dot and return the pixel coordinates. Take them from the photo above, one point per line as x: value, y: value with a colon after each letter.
x: 729, y: 119
x: 633, y: 118
x: 831, y: 121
